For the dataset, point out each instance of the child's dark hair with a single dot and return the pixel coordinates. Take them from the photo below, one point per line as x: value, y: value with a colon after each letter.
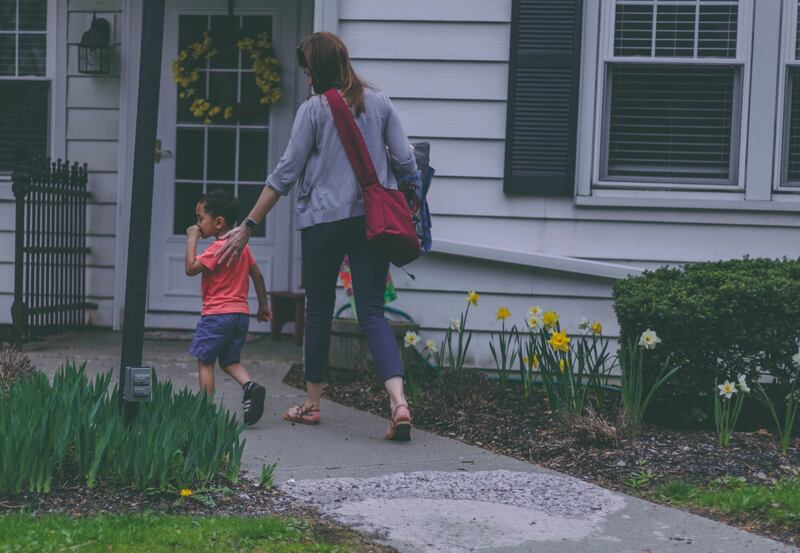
x: 221, y: 203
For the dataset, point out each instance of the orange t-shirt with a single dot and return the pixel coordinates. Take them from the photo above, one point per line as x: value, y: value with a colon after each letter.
x: 225, y: 288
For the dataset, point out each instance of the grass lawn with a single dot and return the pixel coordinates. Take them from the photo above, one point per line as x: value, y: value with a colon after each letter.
x: 154, y: 533
x: 777, y: 503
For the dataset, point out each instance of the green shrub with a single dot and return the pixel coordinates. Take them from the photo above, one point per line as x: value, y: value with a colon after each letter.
x: 717, y: 320
x: 72, y: 429
x: 14, y: 365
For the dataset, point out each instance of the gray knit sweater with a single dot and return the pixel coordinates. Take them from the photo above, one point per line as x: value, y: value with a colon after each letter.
x: 316, y: 159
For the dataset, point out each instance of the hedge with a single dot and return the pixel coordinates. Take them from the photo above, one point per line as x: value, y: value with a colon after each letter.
x: 717, y: 320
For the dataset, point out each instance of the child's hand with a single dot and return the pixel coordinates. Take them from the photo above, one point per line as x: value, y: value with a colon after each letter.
x: 193, y: 231
x: 264, y: 314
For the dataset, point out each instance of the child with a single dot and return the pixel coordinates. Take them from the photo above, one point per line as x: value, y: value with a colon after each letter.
x: 225, y: 317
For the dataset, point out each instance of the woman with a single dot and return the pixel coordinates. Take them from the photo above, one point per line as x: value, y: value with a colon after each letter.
x: 330, y: 216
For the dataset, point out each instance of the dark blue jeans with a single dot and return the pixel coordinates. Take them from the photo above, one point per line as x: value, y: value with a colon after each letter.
x: 324, y: 247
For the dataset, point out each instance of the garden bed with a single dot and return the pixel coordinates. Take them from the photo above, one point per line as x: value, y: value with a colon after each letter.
x: 245, y: 499
x: 473, y: 409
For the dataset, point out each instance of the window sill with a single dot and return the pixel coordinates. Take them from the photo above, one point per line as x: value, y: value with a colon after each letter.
x: 732, y: 202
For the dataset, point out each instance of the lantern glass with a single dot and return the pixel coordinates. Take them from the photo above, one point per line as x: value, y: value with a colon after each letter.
x: 94, y: 60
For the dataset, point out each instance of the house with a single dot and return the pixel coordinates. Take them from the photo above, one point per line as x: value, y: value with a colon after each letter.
x: 575, y: 141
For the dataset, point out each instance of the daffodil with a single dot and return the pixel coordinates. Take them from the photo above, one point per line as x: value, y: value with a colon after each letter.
x: 455, y: 325
x: 473, y: 297
x: 562, y: 366
x: 503, y: 313
x: 430, y: 345
x: 596, y: 328
x: 534, y: 322
x: 649, y: 339
x: 550, y: 319
x: 535, y: 361
x: 584, y: 324
x: 796, y: 358
x: 186, y: 492
x: 411, y: 339
x: 727, y: 389
x: 742, y: 384
x: 534, y: 311
x: 559, y: 341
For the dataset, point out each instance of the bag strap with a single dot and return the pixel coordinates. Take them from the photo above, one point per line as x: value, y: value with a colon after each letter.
x: 352, y: 140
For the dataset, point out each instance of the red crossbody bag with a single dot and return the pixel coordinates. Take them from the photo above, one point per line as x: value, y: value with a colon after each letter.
x: 388, y: 218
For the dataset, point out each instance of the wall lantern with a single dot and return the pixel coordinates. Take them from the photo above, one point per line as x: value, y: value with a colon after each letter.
x: 94, y: 50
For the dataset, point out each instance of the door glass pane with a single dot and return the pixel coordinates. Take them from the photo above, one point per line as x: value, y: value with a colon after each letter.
x: 253, y: 155
x: 8, y: 54
x: 189, y: 154
x: 187, y: 194
x: 221, y: 154
x: 226, y: 153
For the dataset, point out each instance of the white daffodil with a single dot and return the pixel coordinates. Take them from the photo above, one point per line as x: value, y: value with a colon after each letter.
x: 455, y: 325
x: 535, y: 311
x: 796, y: 358
x: 649, y: 339
x: 411, y: 339
x: 743, y: 387
x: 535, y: 323
x: 585, y: 324
x: 430, y: 345
x: 727, y: 389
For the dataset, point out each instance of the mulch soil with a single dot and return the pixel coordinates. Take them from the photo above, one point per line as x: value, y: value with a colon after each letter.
x: 242, y: 499
x: 474, y: 410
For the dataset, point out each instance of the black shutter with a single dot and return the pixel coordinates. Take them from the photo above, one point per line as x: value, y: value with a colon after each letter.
x: 543, y: 97
x: 24, y: 117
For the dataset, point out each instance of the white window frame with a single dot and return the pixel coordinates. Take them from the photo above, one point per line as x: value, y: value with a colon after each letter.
x: 786, y: 63
x: 55, y: 16
x: 758, y: 48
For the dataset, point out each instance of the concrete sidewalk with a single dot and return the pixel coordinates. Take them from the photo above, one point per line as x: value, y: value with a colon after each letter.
x: 432, y: 494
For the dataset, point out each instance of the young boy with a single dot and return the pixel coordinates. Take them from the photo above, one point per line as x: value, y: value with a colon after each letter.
x: 225, y: 317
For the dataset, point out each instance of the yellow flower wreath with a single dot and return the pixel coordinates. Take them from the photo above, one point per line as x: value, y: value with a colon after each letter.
x: 186, y: 72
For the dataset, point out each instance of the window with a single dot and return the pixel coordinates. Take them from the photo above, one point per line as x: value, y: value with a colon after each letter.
x: 791, y: 156
x: 24, y: 86
x: 672, y: 97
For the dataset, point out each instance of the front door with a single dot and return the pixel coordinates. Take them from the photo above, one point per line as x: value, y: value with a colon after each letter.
x: 197, y: 156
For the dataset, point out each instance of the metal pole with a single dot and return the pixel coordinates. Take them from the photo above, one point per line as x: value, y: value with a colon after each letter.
x: 20, y: 181
x: 142, y: 192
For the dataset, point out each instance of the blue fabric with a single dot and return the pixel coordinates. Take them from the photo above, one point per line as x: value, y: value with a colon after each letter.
x: 324, y: 246
x: 220, y: 337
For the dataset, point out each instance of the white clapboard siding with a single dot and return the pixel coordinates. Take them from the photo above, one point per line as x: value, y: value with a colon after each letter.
x: 100, y: 154
x: 453, y: 118
x: 100, y: 218
x: 7, y: 276
x: 92, y: 124
x: 78, y: 21
x: 437, y: 79
x: 432, y: 41
x: 426, y: 10
x: 466, y: 157
x: 101, y: 254
x: 92, y: 92
x: 72, y: 63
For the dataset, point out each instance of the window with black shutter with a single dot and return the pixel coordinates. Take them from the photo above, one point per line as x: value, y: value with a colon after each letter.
x: 543, y: 97
x: 24, y: 87
x: 673, y: 94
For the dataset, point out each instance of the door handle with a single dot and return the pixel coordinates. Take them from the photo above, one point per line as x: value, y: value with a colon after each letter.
x: 161, y: 153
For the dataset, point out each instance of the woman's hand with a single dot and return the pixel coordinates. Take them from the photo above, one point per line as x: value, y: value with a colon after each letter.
x: 237, y: 239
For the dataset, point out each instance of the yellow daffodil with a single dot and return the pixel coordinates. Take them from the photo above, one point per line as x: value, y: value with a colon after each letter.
x: 411, y: 339
x: 503, y: 313
x: 186, y: 492
x: 473, y: 297
x: 562, y: 366
x: 535, y: 361
x: 649, y: 339
x: 727, y: 389
x: 535, y: 311
x: 559, y: 341
x: 597, y: 328
x: 228, y: 113
x: 550, y: 319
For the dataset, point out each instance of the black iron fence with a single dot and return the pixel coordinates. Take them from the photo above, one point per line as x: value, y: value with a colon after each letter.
x: 50, y: 247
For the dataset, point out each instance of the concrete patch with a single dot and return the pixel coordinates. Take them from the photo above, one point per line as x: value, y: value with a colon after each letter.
x: 463, y: 511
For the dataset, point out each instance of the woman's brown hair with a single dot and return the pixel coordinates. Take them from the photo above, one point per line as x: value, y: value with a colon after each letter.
x: 326, y: 58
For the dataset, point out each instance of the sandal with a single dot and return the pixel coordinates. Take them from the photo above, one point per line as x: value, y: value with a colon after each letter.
x: 400, y: 426
x: 304, y: 414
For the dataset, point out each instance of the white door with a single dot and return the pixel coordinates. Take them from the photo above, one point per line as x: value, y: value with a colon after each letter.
x: 234, y: 154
